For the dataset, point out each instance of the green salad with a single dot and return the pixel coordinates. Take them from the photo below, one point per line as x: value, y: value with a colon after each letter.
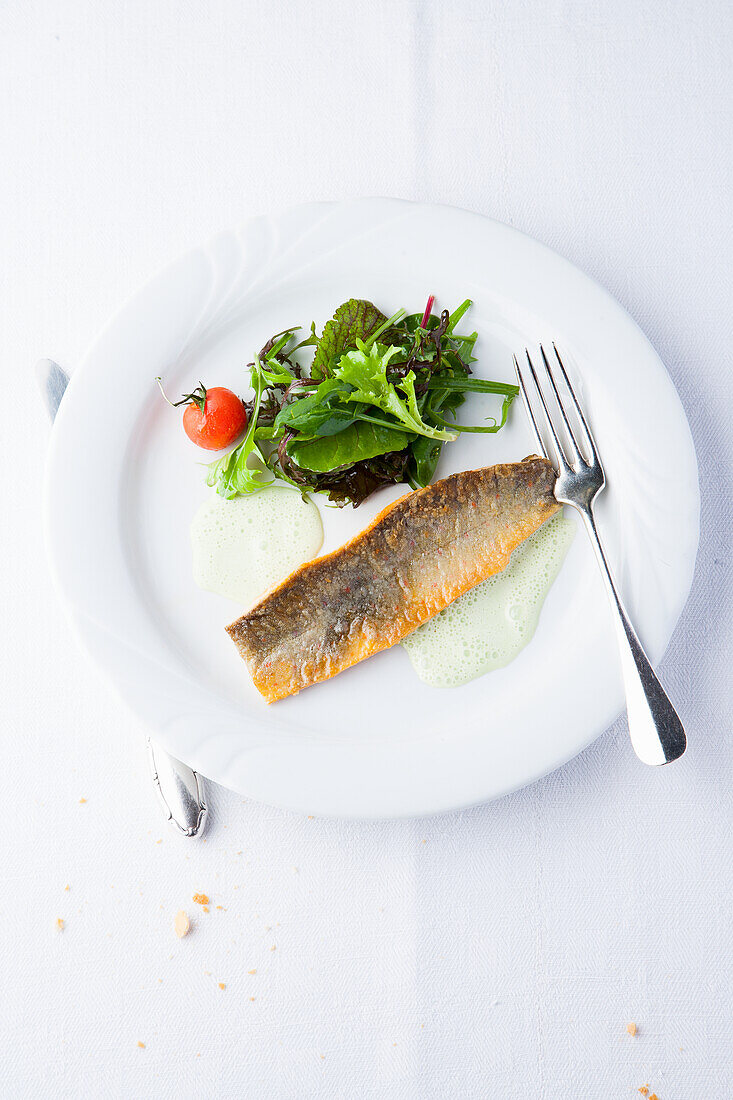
x: 369, y: 402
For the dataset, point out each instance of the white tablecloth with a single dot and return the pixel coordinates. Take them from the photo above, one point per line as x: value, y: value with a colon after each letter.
x: 494, y: 953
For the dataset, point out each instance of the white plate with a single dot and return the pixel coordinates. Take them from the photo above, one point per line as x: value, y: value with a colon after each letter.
x: 123, y: 484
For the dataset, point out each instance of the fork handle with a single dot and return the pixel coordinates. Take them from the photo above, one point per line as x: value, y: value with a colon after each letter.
x: 656, y: 731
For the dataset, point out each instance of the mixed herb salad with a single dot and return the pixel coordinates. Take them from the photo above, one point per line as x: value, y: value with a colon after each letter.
x: 374, y: 406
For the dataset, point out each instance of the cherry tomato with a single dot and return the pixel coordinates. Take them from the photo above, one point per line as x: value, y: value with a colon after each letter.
x: 214, y: 418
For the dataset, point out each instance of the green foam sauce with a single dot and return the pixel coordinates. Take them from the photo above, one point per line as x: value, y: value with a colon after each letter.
x: 487, y: 627
x: 245, y: 546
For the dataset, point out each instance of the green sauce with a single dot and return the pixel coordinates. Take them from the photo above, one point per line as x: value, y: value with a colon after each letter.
x: 245, y: 546
x: 488, y: 626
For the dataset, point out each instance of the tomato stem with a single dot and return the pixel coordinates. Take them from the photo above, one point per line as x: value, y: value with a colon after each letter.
x: 198, y: 397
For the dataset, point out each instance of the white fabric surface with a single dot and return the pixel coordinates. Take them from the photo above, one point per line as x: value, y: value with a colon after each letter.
x: 493, y: 953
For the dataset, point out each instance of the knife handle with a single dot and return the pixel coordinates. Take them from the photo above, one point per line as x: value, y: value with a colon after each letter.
x: 178, y: 789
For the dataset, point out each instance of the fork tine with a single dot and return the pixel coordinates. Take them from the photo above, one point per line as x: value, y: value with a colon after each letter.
x: 590, y: 441
x: 528, y: 408
x: 562, y: 461
x: 577, y: 457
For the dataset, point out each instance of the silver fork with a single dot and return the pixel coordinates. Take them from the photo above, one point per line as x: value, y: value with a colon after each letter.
x: 656, y: 731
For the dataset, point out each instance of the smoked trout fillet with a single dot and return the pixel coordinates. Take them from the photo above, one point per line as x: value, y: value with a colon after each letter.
x: 418, y: 555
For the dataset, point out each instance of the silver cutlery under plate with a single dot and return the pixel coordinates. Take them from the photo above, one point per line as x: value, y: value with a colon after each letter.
x: 177, y: 785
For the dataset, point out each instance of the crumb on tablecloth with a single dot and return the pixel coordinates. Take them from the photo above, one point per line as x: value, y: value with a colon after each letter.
x: 644, y: 1090
x: 201, y: 899
x: 141, y: 1044
x: 252, y: 971
x: 181, y: 924
x: 60, y: 922
x: 222, y: 985
x: 631, y: 1028
x: 82, y: 801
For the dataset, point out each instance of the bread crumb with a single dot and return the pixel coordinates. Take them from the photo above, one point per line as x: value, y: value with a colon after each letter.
x: 222, y: 985
x: 654, y: 1096
x: 631, y: 1028
x: 159, y: 841
x: 252, y: 998
x: 201, y: 899
x: 60, y: 922
x: 221, y: 907
x: 252, y: 971
x: 181, y: 924
x: 644, y: 1090
x: 322, y: 1057
x: 274, y: 947
x: 205, y: 908
x: 310, y: 818
x: 82, y: 801
x: 67, y: 887
x: 141, y: 1045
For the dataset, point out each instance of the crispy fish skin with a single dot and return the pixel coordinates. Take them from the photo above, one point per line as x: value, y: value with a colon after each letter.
x: 417, y: 556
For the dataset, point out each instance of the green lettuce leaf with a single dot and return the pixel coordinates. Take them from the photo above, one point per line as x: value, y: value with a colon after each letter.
x: 359, y: 441
x: 232, y: 475
x: 273, y: 373
x: 319, y: 413
x: 425, y: 454
x: 354, y: 319
x: 366, y: 370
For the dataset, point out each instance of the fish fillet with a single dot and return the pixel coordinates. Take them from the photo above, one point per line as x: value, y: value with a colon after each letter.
x: 418, y: 555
